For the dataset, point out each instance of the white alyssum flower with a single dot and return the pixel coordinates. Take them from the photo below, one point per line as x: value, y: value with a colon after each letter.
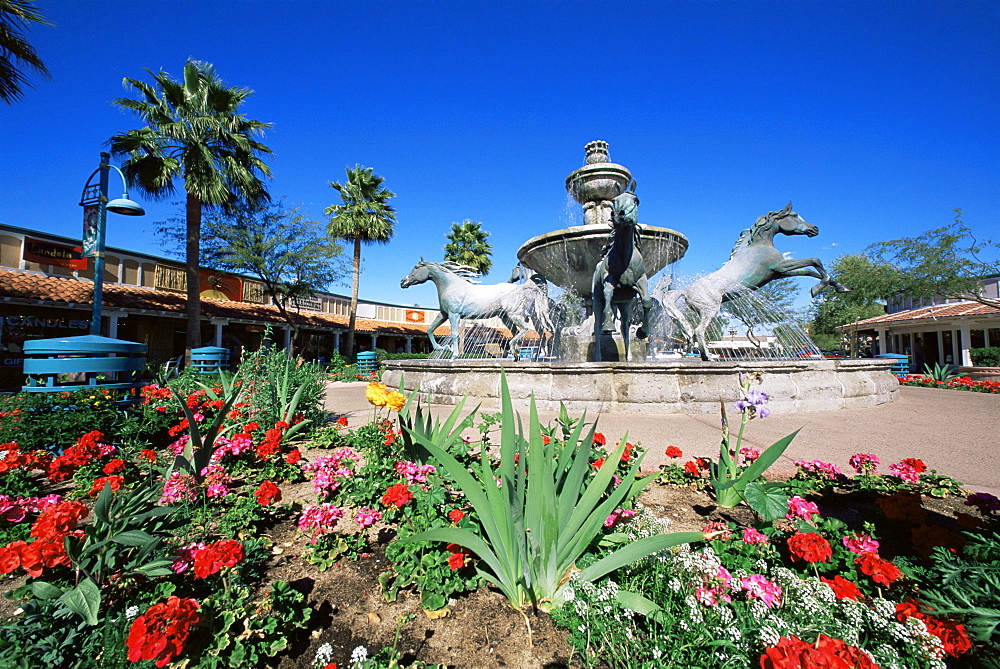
x: 131, y: 612
x: 324, y: 655
x: 359, y: 655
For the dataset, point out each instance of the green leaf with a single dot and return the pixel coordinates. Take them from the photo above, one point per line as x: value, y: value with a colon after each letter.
x: 633, y: 601
x: 133, y: 538
x: 43, y: 590
x: 84, y: 600
x: 769, y: 503
x: 636, y: 550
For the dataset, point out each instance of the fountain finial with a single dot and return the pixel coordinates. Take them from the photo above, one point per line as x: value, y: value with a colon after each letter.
x: 597, y: 152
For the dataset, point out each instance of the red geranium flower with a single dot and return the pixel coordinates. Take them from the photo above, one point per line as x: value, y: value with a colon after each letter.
x: 674, y: 452
x: 268, y: 493
x: 691, y: 468
x: 114, y: 466
x: 627, y: 453
x: 598, y: 462
x: 161, y: 633
x: 342, y: 421
x: 792, y: 652
x: 456, y: 515
x: 398, y: 495
x: 916, y: 463
x: 842, y: 588
x: 212, y: 558
x: 99, y: 483
x: 293, y: 456
x: 881, y: 571
x: 953, y: 636
x: 809, y: 547
x: 702, y: 463
x: 599, y: 439
x: 456, y: 561
x: 148, y: 454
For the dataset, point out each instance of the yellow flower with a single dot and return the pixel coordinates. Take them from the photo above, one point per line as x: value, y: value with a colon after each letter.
x: 377, y: 393
x: 395, y: 400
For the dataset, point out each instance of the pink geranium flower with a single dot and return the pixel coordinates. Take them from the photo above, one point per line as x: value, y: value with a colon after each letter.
x: 860, y: 543
x: 801, y: 508
x: 759, y: 587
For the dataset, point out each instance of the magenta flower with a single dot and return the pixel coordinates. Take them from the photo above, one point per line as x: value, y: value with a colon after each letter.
x: 860, y: 543
x: 905, y: 471
x: 801, y: 508
x: 752, y: 536
x: 367, y: 517
x: 414, y: 473
x: 759, y: 587
x: 864, y: 463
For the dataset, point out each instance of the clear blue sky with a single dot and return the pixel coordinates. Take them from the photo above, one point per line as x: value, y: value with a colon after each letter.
x: 876, y: 118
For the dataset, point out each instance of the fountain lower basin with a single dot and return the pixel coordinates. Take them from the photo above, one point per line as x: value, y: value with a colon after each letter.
x: 687, y: 386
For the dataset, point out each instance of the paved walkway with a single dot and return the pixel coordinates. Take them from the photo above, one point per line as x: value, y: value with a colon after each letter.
x: 955, y: 432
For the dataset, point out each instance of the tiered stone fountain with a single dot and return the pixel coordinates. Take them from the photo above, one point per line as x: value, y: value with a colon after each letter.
x: 567, y: 258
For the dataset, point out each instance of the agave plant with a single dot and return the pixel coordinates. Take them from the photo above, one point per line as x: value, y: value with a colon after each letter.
x: 940, y: 373
x: 538, y: 511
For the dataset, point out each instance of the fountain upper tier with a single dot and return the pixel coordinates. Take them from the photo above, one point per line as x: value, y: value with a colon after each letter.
x: 568, y: 257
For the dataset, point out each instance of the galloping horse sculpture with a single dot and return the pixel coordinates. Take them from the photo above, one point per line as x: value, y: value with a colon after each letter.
x: 620, y: 277
x: 753, y: 263
x: 459, y: 298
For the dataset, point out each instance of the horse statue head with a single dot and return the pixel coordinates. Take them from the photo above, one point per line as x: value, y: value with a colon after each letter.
x: 419, y: 274
x: 625, y: 208
x: 788, y: 222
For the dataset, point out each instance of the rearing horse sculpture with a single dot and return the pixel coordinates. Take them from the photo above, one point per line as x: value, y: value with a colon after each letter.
x: 753, y: 263
x: 620, y: 277
x: 459, y: 298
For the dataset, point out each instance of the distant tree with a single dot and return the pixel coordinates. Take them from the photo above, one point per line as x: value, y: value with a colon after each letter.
x: 194, y: 132
x: 290, y: 254
x: 870, y: 282
x: 947, y: 262
x: 16, y: 54
x: 467, y: 245
x: 364, y: 217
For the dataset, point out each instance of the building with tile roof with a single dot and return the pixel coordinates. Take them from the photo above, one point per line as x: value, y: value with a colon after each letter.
x: 46, y: 291
x: 934, y: 331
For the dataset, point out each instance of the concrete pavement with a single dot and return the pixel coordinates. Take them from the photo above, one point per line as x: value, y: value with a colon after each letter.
x: 955, y: 432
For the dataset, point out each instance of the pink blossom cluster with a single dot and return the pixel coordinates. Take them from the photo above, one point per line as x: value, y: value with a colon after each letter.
x: 617, y: 515
x: 179, y: 488
x: 184, y: 557
x: 319, y: 519
x: 714, y: 587
x: 750, y: 454
x: 860, y: 543
x: 217, y: 481
x: 905, y: 471
x: 752, y: 536
x: 331, y: 470
x: 238, y: 445
x: 864, y: 463
x: 16, y: 509
x: 759, y: 587
x: 827, y: 469
x: 367, y: 517
x: 414, y: 473
x: 801, y: 509
x: 177, y: 447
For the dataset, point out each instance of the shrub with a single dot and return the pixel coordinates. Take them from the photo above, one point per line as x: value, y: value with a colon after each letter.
x: 985, y: 357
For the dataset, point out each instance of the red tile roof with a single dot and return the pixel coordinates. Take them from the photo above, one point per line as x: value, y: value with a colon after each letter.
x: 932, y: 312
x: 67, y: 290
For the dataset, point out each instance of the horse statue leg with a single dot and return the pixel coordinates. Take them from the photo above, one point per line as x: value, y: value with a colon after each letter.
x: 598, y: 307
x: 453, y: 319
x: 811, y: 267
x: 518, y: 327
x: 705, y: 314
x: 438, y: 320
x: 674, y: 312
x: 642, y: 292
x: 625, y: 314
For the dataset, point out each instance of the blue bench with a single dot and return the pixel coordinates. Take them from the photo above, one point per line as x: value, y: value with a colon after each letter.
x: 900, y: 365
x: 90, y: 361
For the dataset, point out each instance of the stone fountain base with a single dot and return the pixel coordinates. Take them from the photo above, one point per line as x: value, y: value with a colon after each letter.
x: 689, y: 386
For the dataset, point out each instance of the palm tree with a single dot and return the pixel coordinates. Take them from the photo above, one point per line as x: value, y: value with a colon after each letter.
x: 363, y: 216
x: 467, y: 245
x: 194, y: 132
x: 15, y: 52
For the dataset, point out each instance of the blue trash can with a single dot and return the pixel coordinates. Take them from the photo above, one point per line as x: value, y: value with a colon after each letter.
x: 212, y: 359
x: 88, y: 361
x: 366, y: 363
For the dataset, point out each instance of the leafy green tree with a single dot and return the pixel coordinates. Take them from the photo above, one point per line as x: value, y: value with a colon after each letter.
x: 16, y: 54
x: 870, y: 282
x: 467, y: 245
x: 290, y: 254
x: 194, y: 132
x: 946, y: 262
x: 363, y: 216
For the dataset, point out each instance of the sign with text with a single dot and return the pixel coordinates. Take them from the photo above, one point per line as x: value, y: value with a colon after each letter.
x: 48, y: 253
x: 90, y: 214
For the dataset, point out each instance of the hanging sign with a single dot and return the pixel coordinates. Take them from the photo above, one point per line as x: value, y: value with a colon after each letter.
x: 90, y: 215
x: 49, y: 253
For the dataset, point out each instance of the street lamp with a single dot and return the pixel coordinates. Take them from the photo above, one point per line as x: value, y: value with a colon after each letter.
x: 94, y: 201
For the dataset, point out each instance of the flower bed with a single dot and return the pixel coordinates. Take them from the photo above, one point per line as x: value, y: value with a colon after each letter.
x: 959, y: 383
x: 228, y: 524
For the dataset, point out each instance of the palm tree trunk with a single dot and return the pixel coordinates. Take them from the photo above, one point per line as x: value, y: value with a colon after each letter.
x: 192, y: 258
x: 349, y: 341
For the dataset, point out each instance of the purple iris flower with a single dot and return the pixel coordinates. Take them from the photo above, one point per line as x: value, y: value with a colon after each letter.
x: 756, y: 397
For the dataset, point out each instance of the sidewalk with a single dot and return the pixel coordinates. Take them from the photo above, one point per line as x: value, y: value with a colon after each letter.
x: 952, y: 431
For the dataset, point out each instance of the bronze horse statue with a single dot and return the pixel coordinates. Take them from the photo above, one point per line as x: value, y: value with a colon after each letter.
x: 620, y: 277
x: 754, y: 262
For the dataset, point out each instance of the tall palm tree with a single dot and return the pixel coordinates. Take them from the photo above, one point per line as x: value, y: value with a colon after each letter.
x: 467, y: 245
x: 194, y: 132
x: 15, y: 52
x: 364, y: 217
